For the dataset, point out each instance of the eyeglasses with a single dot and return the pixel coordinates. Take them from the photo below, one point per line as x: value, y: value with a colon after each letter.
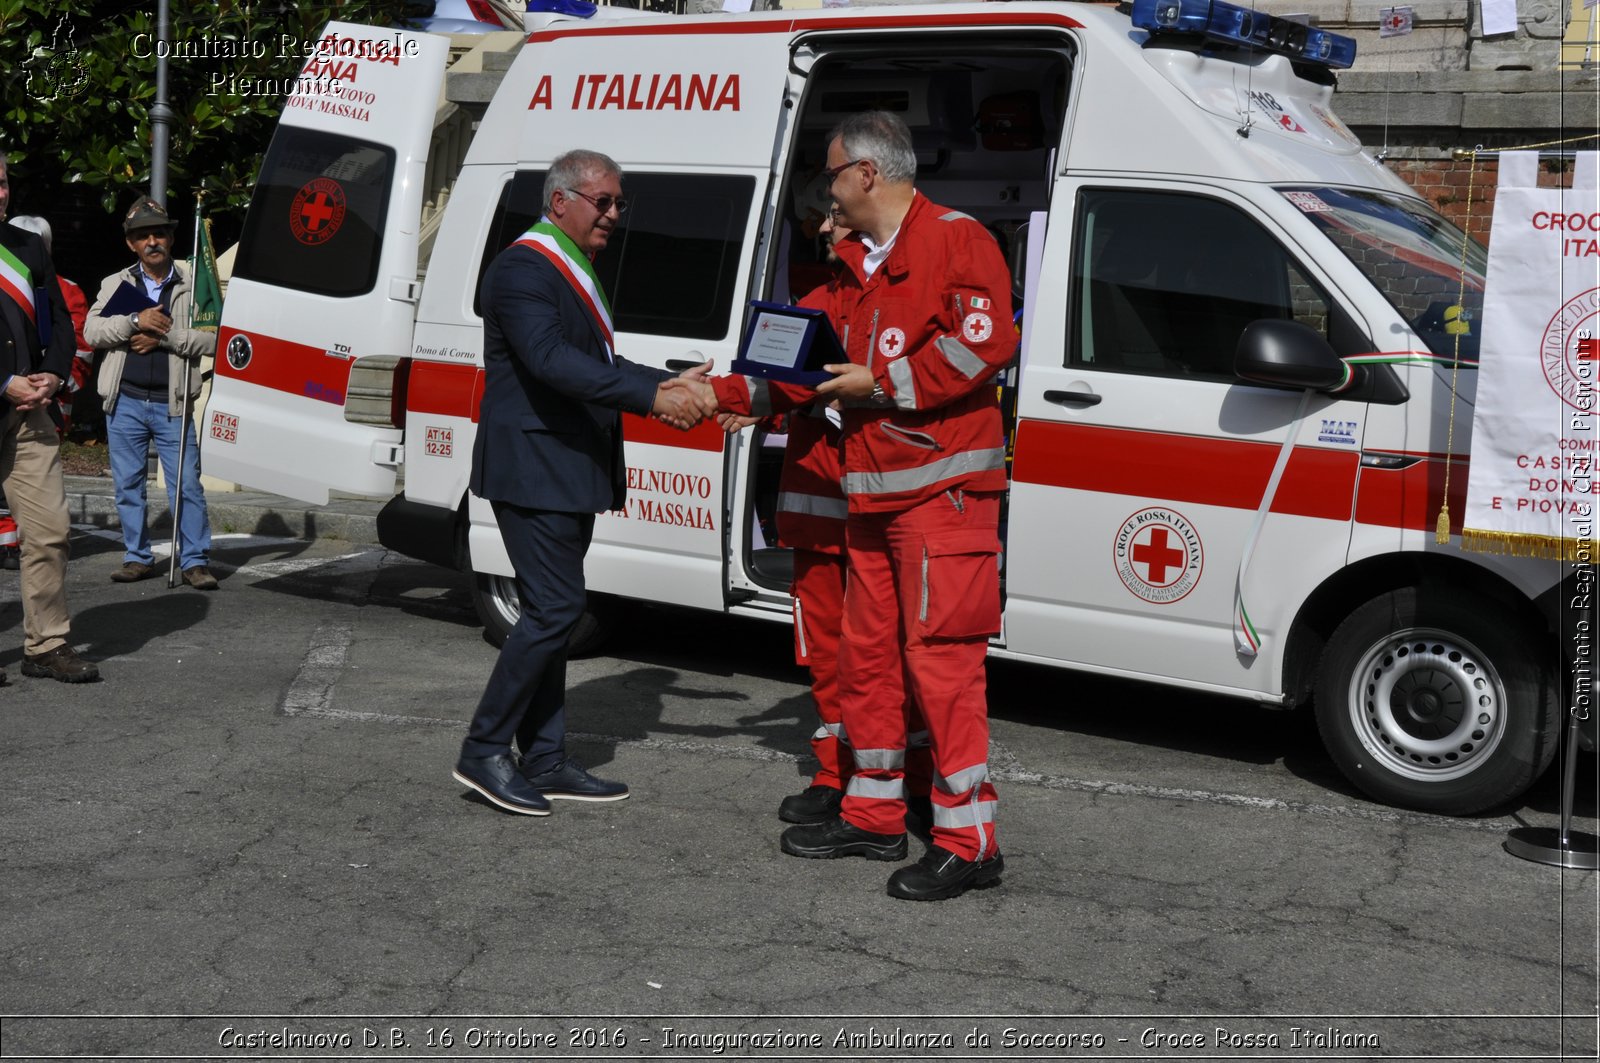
x: 604, y: 203
x: 832, y: 173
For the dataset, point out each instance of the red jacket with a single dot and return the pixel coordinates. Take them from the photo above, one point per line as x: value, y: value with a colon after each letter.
x: 934, y: 324
x: 811, y: 505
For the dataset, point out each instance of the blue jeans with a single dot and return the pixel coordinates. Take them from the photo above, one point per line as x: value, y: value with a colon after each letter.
x: 130, y: 426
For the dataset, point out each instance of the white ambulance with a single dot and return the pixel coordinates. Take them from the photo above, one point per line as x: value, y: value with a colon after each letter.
x: 1243, y: 387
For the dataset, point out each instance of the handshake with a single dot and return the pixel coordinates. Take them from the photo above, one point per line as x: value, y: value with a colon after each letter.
x: 684, y: 401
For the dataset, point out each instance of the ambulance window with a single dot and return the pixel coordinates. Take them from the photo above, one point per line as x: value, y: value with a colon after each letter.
x: 317, y: 214
x: 521, y: 203
x: 1164, y: 283
x: 671, y: 263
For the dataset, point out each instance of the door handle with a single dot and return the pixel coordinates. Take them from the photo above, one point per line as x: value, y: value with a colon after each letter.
x: 1072, y: 398
x: 680, y: 364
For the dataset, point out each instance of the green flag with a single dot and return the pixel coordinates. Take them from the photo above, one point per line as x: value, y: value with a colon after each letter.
x: 207, y: 295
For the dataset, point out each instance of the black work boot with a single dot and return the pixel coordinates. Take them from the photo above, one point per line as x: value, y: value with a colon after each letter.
x: 824, y: 841
x: 815, y: 804
x: 941, y: 874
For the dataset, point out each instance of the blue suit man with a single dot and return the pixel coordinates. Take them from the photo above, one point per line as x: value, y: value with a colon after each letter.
x: 548, y: 458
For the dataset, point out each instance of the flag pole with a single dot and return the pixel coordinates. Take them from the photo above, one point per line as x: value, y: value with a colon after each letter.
x: 183, y: 407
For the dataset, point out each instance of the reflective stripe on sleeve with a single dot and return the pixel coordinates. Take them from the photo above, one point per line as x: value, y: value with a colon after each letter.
x: 955, y: 215
x: 884, y: 789
x: 905, y: 389
x: 760, y: 398
x: 830, y: 506
x: 888, y: 483
x: 963, y: 780
x: 968, y: 815
x: 960, y: 357
x: 880, y: 759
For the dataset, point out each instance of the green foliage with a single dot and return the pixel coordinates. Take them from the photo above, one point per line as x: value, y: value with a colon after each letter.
x: 79, y: 82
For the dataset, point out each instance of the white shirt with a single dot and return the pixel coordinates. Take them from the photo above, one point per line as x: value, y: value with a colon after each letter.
x: 876, y: 253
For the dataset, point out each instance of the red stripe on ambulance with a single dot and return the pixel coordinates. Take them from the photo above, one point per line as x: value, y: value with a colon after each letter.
x: 454, y: 390
x: 1410, y: 498
x: 295, y: 368
x: 447, y: 388
x: 1176, y: 468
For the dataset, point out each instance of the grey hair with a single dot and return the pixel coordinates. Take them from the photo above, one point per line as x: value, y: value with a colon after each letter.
x: 881, y: 137
x: 34, y: 224
x: 574, y: 167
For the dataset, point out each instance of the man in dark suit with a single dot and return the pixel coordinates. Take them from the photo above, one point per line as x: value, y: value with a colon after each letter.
x: 548, y: 458
x: 36, y: 352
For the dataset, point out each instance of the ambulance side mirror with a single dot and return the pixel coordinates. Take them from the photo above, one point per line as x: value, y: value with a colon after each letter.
x: 1287, y: 354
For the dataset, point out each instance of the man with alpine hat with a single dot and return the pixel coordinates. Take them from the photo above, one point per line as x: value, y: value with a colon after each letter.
x: 148, y: 380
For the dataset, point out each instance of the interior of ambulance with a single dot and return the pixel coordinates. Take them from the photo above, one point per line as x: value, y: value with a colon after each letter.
x: 985, y: 123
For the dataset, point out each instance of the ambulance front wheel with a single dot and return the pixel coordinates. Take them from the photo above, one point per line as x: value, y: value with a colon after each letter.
x: 495, y: 598
x: 1435, y: 700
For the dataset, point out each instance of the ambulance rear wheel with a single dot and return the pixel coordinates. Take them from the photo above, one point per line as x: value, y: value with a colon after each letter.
x: 1435, y: 700
x: 495, y: 598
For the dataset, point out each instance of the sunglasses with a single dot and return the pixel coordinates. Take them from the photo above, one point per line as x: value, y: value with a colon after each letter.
x: 604, y: 203
x: 832, y: 173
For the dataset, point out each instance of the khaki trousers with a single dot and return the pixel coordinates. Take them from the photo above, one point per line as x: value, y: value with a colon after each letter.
x: 30, y: 471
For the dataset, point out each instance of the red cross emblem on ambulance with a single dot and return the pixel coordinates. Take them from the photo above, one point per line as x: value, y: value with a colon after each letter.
x: 1158, y: 556
x: 317, y: 211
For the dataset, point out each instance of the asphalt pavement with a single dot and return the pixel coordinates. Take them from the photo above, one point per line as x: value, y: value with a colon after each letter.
x: 245, y: 843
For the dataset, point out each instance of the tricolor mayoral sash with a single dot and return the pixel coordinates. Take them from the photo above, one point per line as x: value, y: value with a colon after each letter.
x: 555, y: 245
x: 16, y: 283
x: 1532, y: 482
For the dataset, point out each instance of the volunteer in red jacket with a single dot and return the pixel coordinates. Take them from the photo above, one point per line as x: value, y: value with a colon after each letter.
x: 811, y: 522
x: 926, y: 297
x: 810, y: 518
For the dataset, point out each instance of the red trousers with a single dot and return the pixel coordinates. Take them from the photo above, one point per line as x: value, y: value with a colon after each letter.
x: 818, y: 606
x: 818, y: 613
x: 922, y: 599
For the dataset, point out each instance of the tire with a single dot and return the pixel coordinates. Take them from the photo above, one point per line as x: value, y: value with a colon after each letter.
x: 1436, y: 700
x: 495, y: 599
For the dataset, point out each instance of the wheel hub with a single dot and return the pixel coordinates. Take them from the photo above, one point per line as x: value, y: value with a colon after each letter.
x: 1428, y: 704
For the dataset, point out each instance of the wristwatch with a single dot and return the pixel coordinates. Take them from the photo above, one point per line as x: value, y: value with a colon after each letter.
x: 133, y: 319
x: 878, y: 397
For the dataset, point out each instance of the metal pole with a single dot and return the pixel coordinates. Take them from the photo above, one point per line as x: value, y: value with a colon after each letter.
x: 160, y: 113
x: 177, y: 485
x: 183, y: 406
x: 1562, y: 846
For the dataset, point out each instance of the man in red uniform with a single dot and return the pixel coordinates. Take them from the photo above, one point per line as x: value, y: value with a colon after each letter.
x: 926, y: 301
x: 811, y: 522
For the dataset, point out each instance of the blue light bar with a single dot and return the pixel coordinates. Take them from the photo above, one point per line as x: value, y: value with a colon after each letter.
x: 1220, y: 21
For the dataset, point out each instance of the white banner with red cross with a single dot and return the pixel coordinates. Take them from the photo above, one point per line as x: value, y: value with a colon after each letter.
x: 1532, y: 485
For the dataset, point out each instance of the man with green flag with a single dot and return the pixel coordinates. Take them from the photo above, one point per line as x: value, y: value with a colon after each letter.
x: 548, y: 458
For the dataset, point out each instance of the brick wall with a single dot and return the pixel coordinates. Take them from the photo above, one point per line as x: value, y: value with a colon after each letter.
x: 1449, y: 184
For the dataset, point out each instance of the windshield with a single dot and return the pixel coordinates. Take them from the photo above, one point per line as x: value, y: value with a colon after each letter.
x: 1410, y: 254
